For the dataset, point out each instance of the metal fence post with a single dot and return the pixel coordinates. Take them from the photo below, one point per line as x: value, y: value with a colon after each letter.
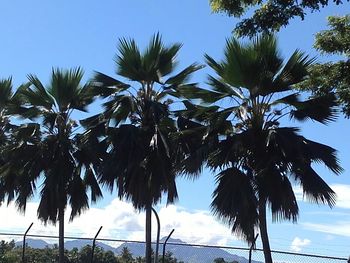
x: 158, y: 235
x: 166, y: 240
x: 24, y: 242
x: 94, y: 244
x: 252, y: 247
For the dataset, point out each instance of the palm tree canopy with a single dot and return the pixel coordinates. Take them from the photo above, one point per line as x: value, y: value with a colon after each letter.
x: 259, y: 159
x: 143, y: 156
x: 52, y: 149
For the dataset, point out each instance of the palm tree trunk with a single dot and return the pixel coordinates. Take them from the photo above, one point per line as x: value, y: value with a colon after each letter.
x: 61, y: 235
x: 263, y: 231
x: 148, y: 233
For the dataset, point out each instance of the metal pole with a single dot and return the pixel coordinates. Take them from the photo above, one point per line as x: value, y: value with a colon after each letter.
x: 24, y: 241
x: 166, y: 240
x: 158, y: 235
x: 252, y: 247
x: 94, y: 244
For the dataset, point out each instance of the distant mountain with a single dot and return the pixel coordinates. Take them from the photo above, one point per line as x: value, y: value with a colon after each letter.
x: 69, y: 245
x: 180, y: 250
x: 186, y: 253
x: 34, y: 243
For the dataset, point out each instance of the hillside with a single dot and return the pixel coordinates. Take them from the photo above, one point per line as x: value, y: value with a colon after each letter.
x: 181, y: 250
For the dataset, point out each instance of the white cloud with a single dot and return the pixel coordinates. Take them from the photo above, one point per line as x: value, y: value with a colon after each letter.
x: 340, y: 228
x: 121, y: 221
x: 298, y: 243
x: 343, y: 195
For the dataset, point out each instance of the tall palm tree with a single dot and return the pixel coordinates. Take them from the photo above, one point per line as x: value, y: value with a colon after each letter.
x: 259, y: 158
x: 142, y: 157
x: 52, y: 151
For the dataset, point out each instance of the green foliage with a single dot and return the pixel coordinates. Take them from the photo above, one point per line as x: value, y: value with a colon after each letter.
x: 335, y: 40
x: 126, y: 256
x: 269, y: 15
x: 6, y: 252
x: 9, y: 253
x: 333, y: 76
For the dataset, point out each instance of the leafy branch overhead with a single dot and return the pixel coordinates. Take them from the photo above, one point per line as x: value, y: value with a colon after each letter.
x: 269, y: 15
x: 333, y: 76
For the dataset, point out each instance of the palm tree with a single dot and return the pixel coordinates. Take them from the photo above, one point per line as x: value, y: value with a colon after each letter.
x: 259, y: 158
x: 53, y: 150
x: 142, y: 158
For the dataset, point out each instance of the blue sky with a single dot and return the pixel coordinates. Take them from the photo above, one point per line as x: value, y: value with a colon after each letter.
x: 39, y: 35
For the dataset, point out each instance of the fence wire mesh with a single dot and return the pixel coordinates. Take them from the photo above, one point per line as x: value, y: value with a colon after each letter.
x: 289, y: 257
x: 42, y: 249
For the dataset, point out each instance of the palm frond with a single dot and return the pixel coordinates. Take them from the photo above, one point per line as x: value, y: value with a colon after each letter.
x: 36, y: 95
x: 323, y: 153
x: 224, y: 88
x: 106, y: 85
x: 321, y: 109
x: 78, y: 198
x: 129, y: 61
x: 275, y: 186
x: 5, y: 92
x: 235, y: 202
x: 65, y: 88
x: 183, y: 76
x: 314, y: 187
x: 295, y: 70
x: 90, y: 181
x: 207, y: 96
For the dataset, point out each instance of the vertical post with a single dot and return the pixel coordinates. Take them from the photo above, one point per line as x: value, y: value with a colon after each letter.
x: 158, y: 234
x: 148, y: 233
x: 94, y: 244
x: 166, y: 240
x: 252, y: 247
x: 24, y: 242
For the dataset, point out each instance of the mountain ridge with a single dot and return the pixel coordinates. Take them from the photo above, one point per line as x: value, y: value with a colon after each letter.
x: 187, y: 253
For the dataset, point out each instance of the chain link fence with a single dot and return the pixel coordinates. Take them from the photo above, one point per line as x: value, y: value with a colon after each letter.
x: 174, y: 252
x: 290, y: 257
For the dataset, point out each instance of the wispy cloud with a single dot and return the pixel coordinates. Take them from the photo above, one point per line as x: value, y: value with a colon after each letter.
x: 298, y: 244
x: 121, y: 221
x: 341, y: 228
